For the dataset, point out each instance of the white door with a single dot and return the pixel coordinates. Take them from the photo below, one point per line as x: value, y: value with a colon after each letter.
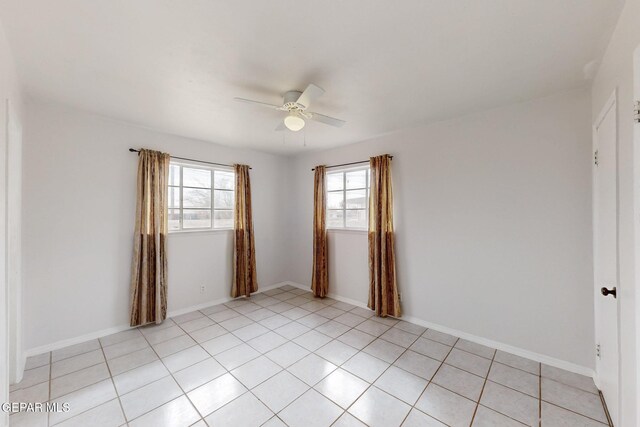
x: 605, y: 205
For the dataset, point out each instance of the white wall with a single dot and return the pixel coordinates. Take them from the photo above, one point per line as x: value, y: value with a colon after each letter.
x: 10, y: 349
x: 79, y: 207
x: 493, y: 222
x: 616, y: 73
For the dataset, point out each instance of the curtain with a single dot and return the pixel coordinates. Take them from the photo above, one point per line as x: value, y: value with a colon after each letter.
x: 320, y: 276
x: 383, y: 289
x: 149, y: 264
x: 245, y: 278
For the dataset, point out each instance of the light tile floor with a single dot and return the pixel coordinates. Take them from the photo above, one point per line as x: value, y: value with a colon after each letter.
x: 284, y: 358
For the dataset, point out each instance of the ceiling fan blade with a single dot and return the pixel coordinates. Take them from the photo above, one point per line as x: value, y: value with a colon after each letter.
x: 310, y: 94
x: 263, y: 104
x: 331, y: 121
x: 280, y: 127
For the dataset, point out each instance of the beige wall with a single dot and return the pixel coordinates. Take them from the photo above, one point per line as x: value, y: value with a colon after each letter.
x: 79, y: 207
x: 493, y: 222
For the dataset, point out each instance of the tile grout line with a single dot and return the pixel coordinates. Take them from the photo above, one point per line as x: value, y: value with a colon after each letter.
x: 229, y: 332
x: 89, y: 385
x: 290, y: 320
x: 286, y: 368
x: 574, y: 412
x: 250, y: 390
x: 137, y: 388
x: 172, y: 377
x: 126, y: 421
x: 244, y: 342
x: 291, y: 340
x: 483, y: 386
x: 539, y: 394
x: 50, y: 381
x: 431, y: 380
x: 371, y: 384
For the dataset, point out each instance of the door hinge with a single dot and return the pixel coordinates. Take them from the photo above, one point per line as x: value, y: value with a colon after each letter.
x: 595, y: 157
x: 636, y: 112
x: 598, y: 351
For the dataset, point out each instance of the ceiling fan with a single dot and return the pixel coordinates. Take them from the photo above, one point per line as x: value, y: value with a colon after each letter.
x: 295, y: 103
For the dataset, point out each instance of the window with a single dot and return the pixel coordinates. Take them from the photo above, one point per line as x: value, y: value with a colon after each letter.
x: 348, y: 198
x: 191, y: 206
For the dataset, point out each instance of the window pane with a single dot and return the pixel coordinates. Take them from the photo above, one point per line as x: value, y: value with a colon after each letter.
x: 223, y: 219
x: 196, y: 198
x: 334, y: 181
x: 196, y: 218
x: 223, y: 199
x: 196, y: 177
x: 174, y: 197
x: 356, y: 199
x: 357, y: 179
x: 335, y: 200
x: 224, y: 180
x: 335, y: 219
x: 174, y: 219
x: 174, y: 175
x: 357, y: 218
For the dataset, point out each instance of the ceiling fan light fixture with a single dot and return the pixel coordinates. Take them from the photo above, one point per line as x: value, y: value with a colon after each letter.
x: 294, y: 122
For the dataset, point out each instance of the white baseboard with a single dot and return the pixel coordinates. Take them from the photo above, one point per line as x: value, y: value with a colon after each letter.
x: 75, y: 340
x: 115, y: 329
x: 547, y: 360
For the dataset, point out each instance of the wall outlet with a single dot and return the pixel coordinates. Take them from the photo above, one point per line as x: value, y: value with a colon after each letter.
x: 400, y: 296
x: 202, y: 289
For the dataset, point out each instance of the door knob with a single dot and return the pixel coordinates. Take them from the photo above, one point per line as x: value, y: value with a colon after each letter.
x: 607, y: 292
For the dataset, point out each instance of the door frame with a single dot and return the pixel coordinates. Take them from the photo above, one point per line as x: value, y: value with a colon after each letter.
x: 612, y: 103
x: 13, y: 250
x: 636, y: 214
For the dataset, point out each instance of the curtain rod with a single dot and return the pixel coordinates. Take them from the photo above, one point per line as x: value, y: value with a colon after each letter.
x: 133, y: 150
x: 349, y: 164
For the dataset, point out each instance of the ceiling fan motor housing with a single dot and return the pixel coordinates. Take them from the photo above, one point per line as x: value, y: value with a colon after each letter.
x: 290, y: 101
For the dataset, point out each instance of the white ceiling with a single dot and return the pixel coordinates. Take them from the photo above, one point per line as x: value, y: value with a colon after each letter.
x: 385, y: 65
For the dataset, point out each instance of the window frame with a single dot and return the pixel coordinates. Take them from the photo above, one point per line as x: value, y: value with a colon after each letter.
x: 192, y: 165
x: 367, y: 188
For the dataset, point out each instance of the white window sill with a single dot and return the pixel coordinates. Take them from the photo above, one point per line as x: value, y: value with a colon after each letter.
x: 348, y: 230
x: 196, y: 231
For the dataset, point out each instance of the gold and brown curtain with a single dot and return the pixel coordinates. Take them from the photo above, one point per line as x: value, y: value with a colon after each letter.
x: 245, y: 280
x: 320, y: 276
x: 149, y: 265
x: 383, y: 288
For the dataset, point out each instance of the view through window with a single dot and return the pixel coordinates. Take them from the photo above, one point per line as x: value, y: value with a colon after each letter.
x: 200, y: 198
x: 348, y: 198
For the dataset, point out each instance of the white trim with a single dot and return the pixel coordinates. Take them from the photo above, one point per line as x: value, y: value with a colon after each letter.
x: 605, y: 109
x: 547, y: 360
x: 612, y: 103
x: 75, y: 340
x: 115, y: 329
x: 188, y: 232
x: 348, y: 230
x: 195, y: 164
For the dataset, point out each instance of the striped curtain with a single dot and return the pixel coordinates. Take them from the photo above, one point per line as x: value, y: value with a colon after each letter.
x: 149, y: 264
x: 383, y: 288
x: 320, y: 276
x: 245, y: 279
